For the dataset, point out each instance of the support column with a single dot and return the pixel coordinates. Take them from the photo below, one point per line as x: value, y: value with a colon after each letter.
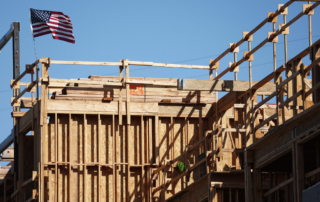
x: 316, y: 73
x: 257, y: 185
x: 249, y: 196
x: 299, y: 171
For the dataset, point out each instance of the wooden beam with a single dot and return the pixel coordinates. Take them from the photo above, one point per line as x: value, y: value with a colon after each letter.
x: 4, y: 40
x: 129, y: 63
x: 223, y: 85
x: 277, y: 187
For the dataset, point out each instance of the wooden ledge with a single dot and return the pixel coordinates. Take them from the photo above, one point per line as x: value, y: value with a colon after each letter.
x: 17, y: 114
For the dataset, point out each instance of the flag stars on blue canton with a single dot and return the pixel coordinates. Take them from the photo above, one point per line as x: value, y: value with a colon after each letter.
x: 40, y: 16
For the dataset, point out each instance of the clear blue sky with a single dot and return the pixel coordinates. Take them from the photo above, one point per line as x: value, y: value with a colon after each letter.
x: 183, y: 32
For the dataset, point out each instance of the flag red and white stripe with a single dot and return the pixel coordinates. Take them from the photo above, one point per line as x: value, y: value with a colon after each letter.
x: 52, y: 22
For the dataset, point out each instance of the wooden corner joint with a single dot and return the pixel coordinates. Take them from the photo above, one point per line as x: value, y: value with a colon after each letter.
x: 213, y: 65
x: 45, y: 80
x: 272, y: 37
x: 307, y: 9
x: 35, y: 194
x: 45, y: 61
x: 247, y: 37
x: 30, y: 69
x: 272, y: 17
x: 14, y: 85
x: 282, y: 10
x: 233, y: 66
x: 14, y: 102
x: 234, y: 48
x: 248, y: 56
x: 283, y: 30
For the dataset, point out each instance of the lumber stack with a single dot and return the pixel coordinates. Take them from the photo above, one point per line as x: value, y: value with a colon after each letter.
x: 106, y: 88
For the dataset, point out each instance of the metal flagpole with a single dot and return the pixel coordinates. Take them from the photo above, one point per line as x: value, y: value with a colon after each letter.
x: 34, y: 41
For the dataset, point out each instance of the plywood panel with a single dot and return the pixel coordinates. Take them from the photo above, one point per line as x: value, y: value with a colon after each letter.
x: 178, y: 150
x: 50, y: 141
x: 63, y: 120
x: 92, y: 138
x: 121, y: 143
x: 135, y: 141
x: 91, y: 185
x: 135, y: 178
x: 165, y: 140
x: 193, y: 137
x: 121, y: 183
x: 106, y: 143
x: 107, y: 186
x: 63, y: 183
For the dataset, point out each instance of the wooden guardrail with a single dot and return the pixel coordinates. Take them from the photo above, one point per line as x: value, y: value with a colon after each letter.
x: 302, y: 72
x: 188, y: 169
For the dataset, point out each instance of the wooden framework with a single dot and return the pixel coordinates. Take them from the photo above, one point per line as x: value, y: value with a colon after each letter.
x: 120, y: 138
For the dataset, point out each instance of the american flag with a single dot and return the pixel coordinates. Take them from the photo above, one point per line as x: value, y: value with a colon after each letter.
x: 51, y: 22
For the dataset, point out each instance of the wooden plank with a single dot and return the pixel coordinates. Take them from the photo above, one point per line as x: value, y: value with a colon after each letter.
x: 128, y: 95
x: 168, y: 65
x: 312, y: 173
x: 70, y: 146
x: 312, y: 89
x: 4, y: 40
x: 277, y: 187
x: 224, y: 85
x: 300, y: 171
x: 96, y: 106
x: 130, y: 63
x: 58, y: 62
x: 120, y: 95
x: 291, y: 99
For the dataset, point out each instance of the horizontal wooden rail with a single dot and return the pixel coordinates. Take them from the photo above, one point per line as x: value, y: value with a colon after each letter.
x: 30, y: 199
x: 24, y: 73
x: 278, y: 32
x: 290, y: 99
x: 6, y: 37
x: 15, y: 193
x: 312, y: 65
x: 289, y: 79
x: 27, y: 89
x: 128, y: 63
x: 314, y: 172
x: 33, y: 178
x: 265, y: 100
x: 200, y: 141
x: 266, y: 121
x: 277, y: 187
x: 265, y: 21
x: 313, y: 89
x: 181, y: 175
x: 170, y: 162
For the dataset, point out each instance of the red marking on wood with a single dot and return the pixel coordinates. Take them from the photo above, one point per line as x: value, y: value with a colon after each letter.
x: 136, y: 89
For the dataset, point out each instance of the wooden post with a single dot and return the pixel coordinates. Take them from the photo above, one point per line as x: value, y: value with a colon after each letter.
x: 128, y: 92
x: 16, y: 74
x: 99, y: 157
x: 21, y: 166
x: 278, y: 103
x: 43, y: 132
x: 316, y: 74
x: 294, y: 172
x: 248, y: 182
x: 121, y: 92
x: 70, y: 158
x: 299, y: 171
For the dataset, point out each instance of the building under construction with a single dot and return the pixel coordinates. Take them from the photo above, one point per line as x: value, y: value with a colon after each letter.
x: 105, y: 138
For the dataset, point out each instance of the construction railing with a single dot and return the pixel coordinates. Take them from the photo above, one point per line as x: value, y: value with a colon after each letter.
x: 296, y: 90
